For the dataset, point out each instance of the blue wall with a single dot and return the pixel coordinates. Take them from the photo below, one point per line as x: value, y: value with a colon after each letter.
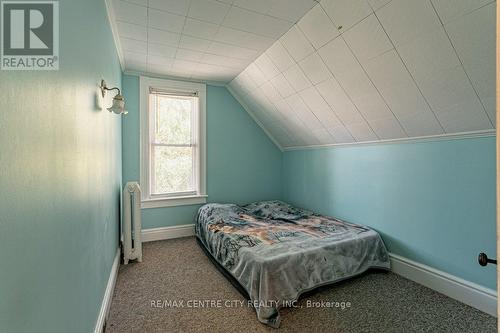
x: 243, y: 165
x: 432, y: 202
x: 60, y: 162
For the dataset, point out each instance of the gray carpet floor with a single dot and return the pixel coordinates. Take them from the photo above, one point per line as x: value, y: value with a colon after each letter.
x: 176, y: 270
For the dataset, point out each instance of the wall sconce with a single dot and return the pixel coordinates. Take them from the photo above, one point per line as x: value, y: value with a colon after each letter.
x: 118, y: 106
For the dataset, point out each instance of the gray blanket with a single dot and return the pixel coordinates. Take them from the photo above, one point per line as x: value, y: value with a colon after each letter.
x: 276, y: 252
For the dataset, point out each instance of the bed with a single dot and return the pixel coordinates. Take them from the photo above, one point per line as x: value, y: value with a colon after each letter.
x: 274, y: 252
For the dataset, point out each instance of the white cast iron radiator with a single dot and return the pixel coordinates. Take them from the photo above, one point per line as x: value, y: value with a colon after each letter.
x: 132, y: 244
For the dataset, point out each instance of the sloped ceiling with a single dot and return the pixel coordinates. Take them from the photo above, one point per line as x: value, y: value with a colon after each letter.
x: 369, y: 70
x: 210, y: 40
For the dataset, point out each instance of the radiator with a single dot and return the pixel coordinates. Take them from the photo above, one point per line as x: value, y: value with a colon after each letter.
x: 132, y: 244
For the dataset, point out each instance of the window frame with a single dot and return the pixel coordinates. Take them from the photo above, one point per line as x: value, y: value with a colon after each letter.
x: 148, y: 199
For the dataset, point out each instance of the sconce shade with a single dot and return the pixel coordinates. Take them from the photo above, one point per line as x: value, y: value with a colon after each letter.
x: 118, y: 106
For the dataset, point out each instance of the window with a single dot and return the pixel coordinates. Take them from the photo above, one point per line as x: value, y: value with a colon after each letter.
x: 173, y: 143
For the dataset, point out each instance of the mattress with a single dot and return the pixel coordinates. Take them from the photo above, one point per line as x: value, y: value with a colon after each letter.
x: 276, y: 252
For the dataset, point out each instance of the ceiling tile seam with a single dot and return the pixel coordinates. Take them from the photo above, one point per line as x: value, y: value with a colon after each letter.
x: 364, y: 70
x: 351, y: 100
x: 461, y: 15
x: 492, y: 122
x: 338, y: 81
x: 183, y: 34
x: 183, y: 27
x: 341, y: 28
x: 374, y: 10
x: 255, y: 118
x: 331, y: 20
x: 147, y: 38
x: 376, y: 88
x: 195, y: 19
x: 409, y: 73
x: 298, y: 92
x: 278, y: 40
x: 314, y: 114
x: 373, y: 84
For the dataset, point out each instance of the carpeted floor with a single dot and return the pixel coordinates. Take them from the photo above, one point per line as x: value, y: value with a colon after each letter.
x: 176, y: 270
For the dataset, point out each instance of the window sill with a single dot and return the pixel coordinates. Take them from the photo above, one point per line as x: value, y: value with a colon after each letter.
x: 172, y: 202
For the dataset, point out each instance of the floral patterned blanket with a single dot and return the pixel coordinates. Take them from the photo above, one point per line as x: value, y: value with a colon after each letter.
x: 276, y: 251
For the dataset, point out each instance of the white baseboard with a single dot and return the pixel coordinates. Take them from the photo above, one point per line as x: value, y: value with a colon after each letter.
x: 467, y: 292
x: 178, y: 231
x: 108, y: 294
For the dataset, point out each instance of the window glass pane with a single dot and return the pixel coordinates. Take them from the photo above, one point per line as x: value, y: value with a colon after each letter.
x: 173, y: 119
x: 173, y: 169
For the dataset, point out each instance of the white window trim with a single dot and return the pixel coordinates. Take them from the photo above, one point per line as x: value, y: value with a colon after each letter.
x: 180, y: 86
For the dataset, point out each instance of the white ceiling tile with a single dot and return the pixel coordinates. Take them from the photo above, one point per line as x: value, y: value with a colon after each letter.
x: 208, y: 10
x: 165, y: 21
x: 341, y: 134
x: 346, y: 13
x: 361, y: 132
x: 376, y: 4
x: 139, y: 2
x: 323, y: 137
x: 247, y: 81
x: 404, y: 20
x: 163, y: 68
x: 223, y: 61
x: 387, y: 128
x: 335, y: 96
x: 396, y: 85
x: 297, y: 44
x: 243, y: 39
x: 183, y: 67
x: 280, y: 56
x: 135, y: 57
x: 200, y: 29
x: 346, y: 69
x: 490, y: 105
x: 132, y: 31
x: 282, y: 85
x: 160, y: 60
x: 161, y: 50
x: 256, y: 74
x: 193, y: 43
x: 463, y: 117
x: 260, y: 6
x: 337, y: 56
x: 179, y: 7
x: 296, y: 78
x: 420, y: 124
x: 259, y: 24
x: 271, y: 93
x: 327, y: 117
x: 133, y: 45
x: 267, y: 66
x: 452, y: 92
x: 136, y: 66
x: 473, y: 36
x: 131, y: 13
x: 317, y: 27
x: 313, y: 99
x: 231, y: 50
x: 367, y: 39
x: 303, y: 112
x: 372, y: 106
x: 450, y: 9
x: 163, y: 37
x: 429, y: 55
x: 315, y: 69
x: 290, y: 12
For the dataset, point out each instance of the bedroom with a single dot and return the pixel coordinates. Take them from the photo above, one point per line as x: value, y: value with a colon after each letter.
x: 265, y: 165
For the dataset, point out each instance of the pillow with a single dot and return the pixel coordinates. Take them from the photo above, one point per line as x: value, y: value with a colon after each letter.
x: 275, y: 210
